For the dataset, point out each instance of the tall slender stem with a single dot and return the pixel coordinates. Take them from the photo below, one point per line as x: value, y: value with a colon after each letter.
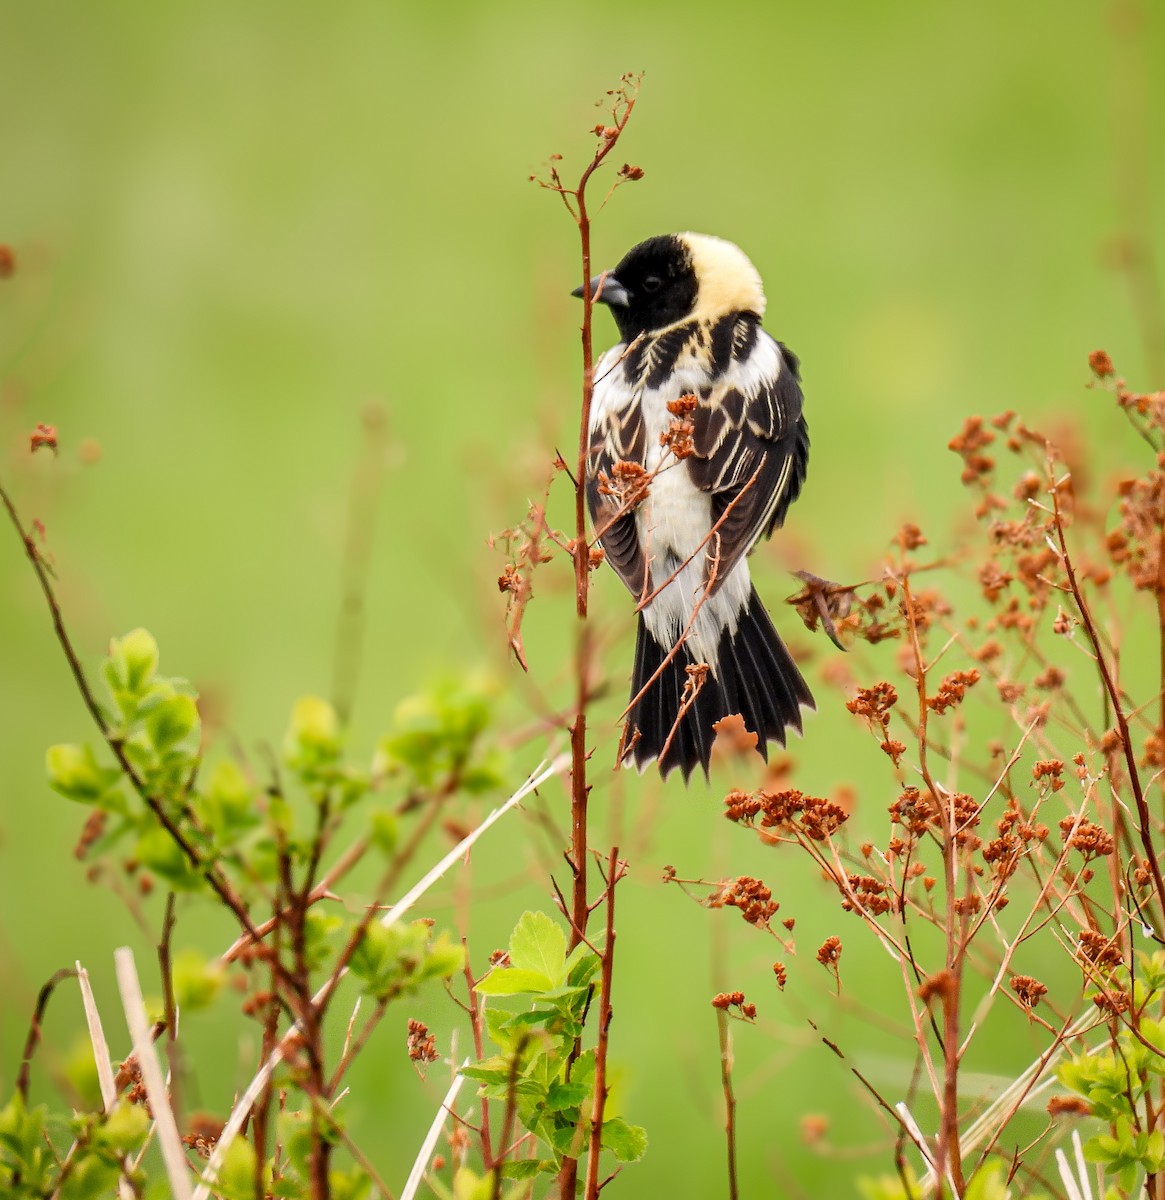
x: 581, y: 556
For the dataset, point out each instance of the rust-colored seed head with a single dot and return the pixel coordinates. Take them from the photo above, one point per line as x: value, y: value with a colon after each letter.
x: 1069, y: 1106
x: 43, y: 435
x: 941, y: 984
x: 829, y: 953
x: 1101, y: 364
x: 952, y: 690
x: 1030, y: 991
x: 874, y: 703
x: 422, y: 1046
x: 1095, y: 948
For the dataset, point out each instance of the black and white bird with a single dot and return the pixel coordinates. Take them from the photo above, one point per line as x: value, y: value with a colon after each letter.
x: 689, y: 308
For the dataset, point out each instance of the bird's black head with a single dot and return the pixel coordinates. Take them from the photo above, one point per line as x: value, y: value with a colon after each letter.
x: 659, y: 286
x: 670, y: 278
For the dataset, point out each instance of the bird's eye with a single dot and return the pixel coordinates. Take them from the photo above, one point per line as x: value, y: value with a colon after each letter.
x: 652, y: 283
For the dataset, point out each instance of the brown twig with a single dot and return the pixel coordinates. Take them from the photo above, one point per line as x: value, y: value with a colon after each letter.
x: 1144, y: 819
x: 615, y: 871
x: 34, y: 1028
x: 169, y: 1008
x: 575, y: 201
x: 729, y: 1099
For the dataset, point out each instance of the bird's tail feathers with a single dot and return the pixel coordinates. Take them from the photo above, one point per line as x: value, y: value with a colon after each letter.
x: 755, y: 677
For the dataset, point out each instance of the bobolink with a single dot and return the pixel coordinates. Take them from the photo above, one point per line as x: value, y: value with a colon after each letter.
x: 698, y: 447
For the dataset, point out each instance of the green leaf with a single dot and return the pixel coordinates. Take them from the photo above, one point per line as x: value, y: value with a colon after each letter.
x: 512, y: 981
x: 889, y: 1187
x: 353, y: 1184
x: 538, y: 944
x: 527, y: 1168
x: 582, y: 965
x: 236, y: 1175
x: 562, y: 1096
x: 1102, y: 1149
x: 196, y: 981
x: 93, y: 1178
x: 628, y: 1143
x: 485, y: 1073
x: 75, y: 773
x: 313, y: 737
x: 372, y: 953
x: 230, y: 798
x: 171, y: 721
x: 444, y: 959
x: 125, y: 1129
x: 383, y: 827
x: 157, y: 850
x: 468, y: 1186
x: 133, y: 660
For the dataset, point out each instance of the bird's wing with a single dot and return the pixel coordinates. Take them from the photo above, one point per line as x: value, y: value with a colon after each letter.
x: 751, y: 446
x: 618, y: 443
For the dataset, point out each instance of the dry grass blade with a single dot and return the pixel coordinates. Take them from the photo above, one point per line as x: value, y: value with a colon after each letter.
x: 462, y: 848
x: 426, y: 1151
x: 173, y: 1154
x: 101, y: 1057
x: 105, y: 1076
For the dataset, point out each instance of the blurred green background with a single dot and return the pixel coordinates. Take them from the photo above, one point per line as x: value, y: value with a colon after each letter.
x: 236, y: 224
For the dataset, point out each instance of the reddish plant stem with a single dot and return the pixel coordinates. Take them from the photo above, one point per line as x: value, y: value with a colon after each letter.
x: 948, y: 1158
x: 579, y: 787
x: 509, y: 1116
x: 729, y: 1099
x: 1144, y: 819
x: 479, y: 1050
x: 614, y: 873
x: 34, y: 1028
x: 169, y: 1007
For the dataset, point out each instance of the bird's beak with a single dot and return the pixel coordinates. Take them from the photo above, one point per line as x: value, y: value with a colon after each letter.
x: 606, y: 289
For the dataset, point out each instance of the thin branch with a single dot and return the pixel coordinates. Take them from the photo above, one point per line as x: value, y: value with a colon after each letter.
x: 729, y: 1099
x: 34, y: 1028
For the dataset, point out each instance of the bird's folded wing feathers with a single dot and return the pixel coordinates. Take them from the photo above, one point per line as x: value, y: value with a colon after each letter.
x: 751, y: 449
x: 618, y: 437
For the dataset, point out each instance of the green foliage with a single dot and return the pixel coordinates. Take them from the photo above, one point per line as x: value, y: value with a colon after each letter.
x: 437, y: 734
x: 74, y: 772
x: 988, y: 1183
x: 1115, y: 1078
x: 29, y: 1169
x: 257, y: 839
x: 395, y: 960
x: 196, y: 982
x: 23, y: 1154
x: 553, y: 1095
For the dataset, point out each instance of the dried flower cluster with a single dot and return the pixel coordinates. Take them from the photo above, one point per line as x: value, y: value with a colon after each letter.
x: 422, y: 1045
x: 982, y: 707
x: 679, y: 436
x: 791, y: 812
x: 751, y: 896
x: 727, y: 1001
